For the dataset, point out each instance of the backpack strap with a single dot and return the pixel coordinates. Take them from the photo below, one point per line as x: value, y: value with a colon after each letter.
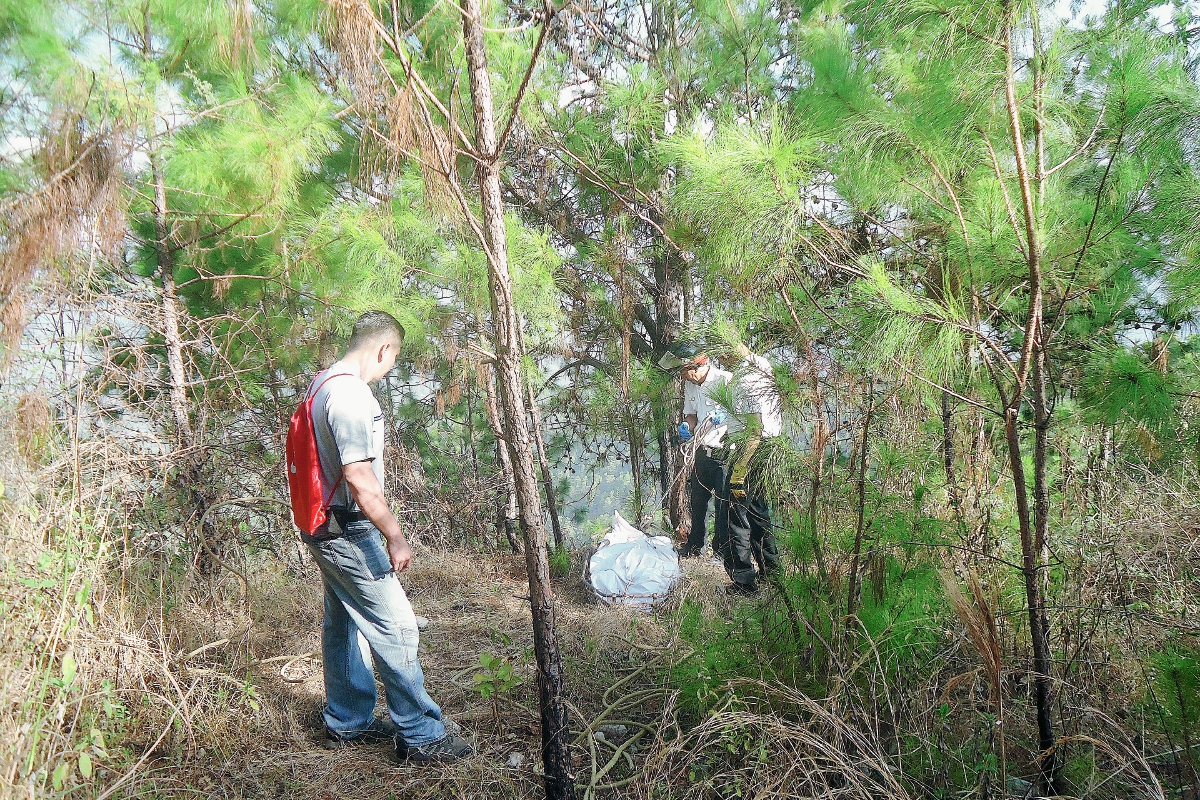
x: 325, y: 502
x: 313, y: 392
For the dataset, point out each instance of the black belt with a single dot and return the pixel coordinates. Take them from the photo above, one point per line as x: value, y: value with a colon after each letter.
x: 343, y: 517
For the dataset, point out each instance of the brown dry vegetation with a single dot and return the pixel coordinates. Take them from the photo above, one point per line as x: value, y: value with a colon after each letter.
x: 131, y: 667
x: 195, y: 697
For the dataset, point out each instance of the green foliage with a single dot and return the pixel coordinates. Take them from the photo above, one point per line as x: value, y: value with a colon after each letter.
x: 560, y: 562
x: 743, y: 190
x: 497, y: 677
x: 1176, y: 678
x: 894, y: 326
x: 899, y: 618
x: 1121, y: 385
x: 723, y: 650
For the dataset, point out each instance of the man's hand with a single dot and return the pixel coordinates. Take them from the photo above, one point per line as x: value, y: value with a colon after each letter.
x: 399, y: 553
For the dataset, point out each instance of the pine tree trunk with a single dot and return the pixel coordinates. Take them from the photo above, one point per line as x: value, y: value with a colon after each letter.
x: 1033, y: 596
x: 817, y: 454
x: 1041, y: 549
x: 952, y: 489
x: 1031, y: 363
x: 637, y: 457
x: 670, y: 275
x: 170, y: 305
x: 535, y: 417
x: 1041, y: 483
x: 506, y: 512
x: 852, y: 594
x: 673, y: 485
x: 556, y: 754
x: 188, y: 474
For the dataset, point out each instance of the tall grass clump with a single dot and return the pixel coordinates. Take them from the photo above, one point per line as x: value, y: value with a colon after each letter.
x: 62, y: 641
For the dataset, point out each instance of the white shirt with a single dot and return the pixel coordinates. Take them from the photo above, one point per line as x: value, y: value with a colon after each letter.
x: 755, y: 393
x: 698, y: 400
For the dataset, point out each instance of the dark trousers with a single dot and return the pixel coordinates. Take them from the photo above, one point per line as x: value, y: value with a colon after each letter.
x: 750, y: 540
x: 707, y: 480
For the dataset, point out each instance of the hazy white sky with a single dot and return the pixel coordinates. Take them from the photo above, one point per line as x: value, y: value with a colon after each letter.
x: 1096, y: 7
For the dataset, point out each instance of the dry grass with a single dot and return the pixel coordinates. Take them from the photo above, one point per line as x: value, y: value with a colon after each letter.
x: 191, y: 695
x: 227, y: 705
x: 769, y: 740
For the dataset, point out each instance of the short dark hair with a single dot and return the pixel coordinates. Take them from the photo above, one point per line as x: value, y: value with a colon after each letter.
x: 374, y: 326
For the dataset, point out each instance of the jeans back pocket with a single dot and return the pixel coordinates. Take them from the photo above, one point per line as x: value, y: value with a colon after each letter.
x: 364, y: 546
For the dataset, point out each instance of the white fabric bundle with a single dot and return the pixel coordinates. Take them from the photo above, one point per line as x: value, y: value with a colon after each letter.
x: 631, y: 568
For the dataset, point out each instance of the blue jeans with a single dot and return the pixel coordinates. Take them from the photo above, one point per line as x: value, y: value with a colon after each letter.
x: 363, y: 594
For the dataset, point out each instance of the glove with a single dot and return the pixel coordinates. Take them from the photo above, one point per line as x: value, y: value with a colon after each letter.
x: 685, y: 431
x: 719, y: 416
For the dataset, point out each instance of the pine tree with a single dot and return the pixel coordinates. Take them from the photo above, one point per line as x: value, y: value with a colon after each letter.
x: 1002, y: 172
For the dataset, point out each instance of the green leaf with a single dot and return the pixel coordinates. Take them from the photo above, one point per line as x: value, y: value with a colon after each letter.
x: 85, y: 765
x: 59, y: 775
x: 69, y: 668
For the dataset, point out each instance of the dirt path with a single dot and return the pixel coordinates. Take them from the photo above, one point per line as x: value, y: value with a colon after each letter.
x: 477, y: 604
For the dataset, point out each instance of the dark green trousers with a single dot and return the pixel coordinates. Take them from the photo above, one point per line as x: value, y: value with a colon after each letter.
x: 749, y: 540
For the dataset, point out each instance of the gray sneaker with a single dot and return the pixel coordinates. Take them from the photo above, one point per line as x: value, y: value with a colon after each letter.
x: 379, y: 730
x: 451, y: 747
x: 448, y: 748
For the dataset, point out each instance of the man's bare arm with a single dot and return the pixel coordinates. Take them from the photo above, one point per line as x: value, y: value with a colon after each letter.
x: 369, y: 496
x: 691, y: 421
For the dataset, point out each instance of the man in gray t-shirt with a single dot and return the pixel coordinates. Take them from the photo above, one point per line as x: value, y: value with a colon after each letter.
x: 362, y: 592
x: 348, y: 423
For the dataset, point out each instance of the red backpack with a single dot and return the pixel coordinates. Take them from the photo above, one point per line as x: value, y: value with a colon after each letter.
x: 310, y: 506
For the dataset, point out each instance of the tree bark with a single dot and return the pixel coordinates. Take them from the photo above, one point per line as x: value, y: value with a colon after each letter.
x: 556, y: 754
x: 952, y: 489
x: 188, y: 473
x: 673, y: 485
x: 637, y: 457
x: 670, y: 274
x: 170, y: 305
x: 1033, y: 596
x: 820, y: 438
x: 506, y: 512
x: 535, y: 417
x: 1031, y: 365
x: 864, y: 449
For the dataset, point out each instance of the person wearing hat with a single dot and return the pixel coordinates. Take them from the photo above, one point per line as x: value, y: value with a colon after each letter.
x: 705, y: 421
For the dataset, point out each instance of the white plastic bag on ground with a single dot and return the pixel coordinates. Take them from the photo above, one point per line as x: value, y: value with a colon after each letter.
x: 631, y: 568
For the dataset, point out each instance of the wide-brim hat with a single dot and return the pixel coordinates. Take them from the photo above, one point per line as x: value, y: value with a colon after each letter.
x: 680, y: 355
